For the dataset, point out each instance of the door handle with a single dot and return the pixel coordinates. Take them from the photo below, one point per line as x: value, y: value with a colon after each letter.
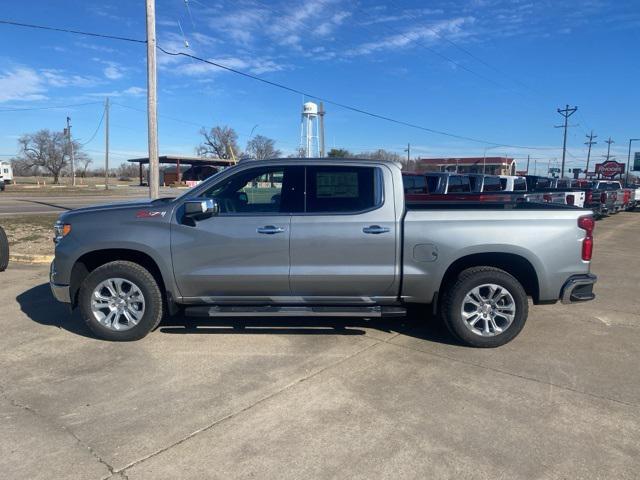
x: 270, y: 230
x: 375, y: 229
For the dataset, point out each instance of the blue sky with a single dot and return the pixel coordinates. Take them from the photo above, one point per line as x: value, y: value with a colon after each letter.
x: 489, y: 69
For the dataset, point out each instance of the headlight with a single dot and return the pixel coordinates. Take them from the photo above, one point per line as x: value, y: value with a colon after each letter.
x: 60, y: 230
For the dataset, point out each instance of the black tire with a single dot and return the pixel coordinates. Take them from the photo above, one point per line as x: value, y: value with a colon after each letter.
x: 139, y: 276
x: 452, y: 304
x: 4, y: 250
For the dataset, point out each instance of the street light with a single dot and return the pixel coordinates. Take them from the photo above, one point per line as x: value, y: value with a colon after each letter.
x: 629, y: 156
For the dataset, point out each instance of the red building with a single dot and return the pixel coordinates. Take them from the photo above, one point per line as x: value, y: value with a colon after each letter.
x: 488, y: 165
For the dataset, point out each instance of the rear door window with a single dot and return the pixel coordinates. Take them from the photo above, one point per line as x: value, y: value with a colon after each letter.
x: 342, y: 189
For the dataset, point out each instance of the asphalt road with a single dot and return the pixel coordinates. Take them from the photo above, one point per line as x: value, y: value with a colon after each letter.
x: 291, y: 399
x: 23, y: 203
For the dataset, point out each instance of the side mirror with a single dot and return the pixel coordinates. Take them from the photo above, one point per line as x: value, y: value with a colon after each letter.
x: 201, y: 209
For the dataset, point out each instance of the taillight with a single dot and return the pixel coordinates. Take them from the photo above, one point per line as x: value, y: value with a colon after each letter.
x: 588, y: 197
x: 603, y: 197
x: 571, y: 199
x: 547, y: 197
x: 587, y: 223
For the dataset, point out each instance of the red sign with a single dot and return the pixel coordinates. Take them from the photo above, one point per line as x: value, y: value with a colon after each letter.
x: 610, y: 169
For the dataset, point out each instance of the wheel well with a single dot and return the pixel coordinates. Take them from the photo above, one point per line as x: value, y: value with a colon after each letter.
x: 511, y: 263
x: 92, y: 260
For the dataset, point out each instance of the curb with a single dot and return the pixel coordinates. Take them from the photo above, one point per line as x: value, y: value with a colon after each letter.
x: 31, y: 259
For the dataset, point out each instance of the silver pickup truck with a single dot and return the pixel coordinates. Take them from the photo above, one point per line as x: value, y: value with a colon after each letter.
x: 323, y: 237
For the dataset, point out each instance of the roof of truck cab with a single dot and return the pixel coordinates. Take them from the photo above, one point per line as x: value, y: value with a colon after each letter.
x: 321, y: 159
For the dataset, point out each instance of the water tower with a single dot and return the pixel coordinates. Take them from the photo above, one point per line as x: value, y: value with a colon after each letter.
x: 309, y: 130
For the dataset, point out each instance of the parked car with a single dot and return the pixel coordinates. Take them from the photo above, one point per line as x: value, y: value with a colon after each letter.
x: 6, y: 174
x: 547, y: 190
x: 594, y: 200
x: 635, y: 196
x: 339, y: 241
x: 511, y: 183
x: 440, y: 186
x: 615, y: 194
x: 484, y: 183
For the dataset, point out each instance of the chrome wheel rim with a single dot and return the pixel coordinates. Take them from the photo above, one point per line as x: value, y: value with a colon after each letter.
x: 488, y: 310
x: 117, y: 304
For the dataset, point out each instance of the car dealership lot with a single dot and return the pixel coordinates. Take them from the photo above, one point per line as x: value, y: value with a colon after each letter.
x: 293, y: 399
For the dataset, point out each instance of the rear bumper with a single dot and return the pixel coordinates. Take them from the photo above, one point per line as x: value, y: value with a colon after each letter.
x: 579, y: 288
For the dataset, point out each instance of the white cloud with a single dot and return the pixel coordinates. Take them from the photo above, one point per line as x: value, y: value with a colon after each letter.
x: 23, y: 84
x: 127, y: 92
x: 252, y: 65
x: 452, y: 28
x: 60, y: 78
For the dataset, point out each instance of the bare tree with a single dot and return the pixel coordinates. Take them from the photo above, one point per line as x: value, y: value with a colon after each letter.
x: 219, y: 142
x: 380, y: 154
x: 46, y: 151
x: 262, y: 148
x: 299, y: 152
x: 82, y: 164
x: 339, y: 153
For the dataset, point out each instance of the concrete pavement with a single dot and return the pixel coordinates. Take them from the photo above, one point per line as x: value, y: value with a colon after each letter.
x: 322, y: 399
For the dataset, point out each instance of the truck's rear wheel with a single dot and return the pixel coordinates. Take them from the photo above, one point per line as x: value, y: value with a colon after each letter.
x: 485, y: 307
x: 120, y: 301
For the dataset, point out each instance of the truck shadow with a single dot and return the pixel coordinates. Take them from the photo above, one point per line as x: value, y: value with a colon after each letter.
x: 39, y: 305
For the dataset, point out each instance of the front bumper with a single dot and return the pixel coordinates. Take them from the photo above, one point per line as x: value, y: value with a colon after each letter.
x: 579, y: 288
x: 60, y: 292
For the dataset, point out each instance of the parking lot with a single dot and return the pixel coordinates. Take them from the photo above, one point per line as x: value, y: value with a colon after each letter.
x: 326, y: 399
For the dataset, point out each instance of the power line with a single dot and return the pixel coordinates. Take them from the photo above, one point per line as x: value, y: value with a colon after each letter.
x: 96, y: 131
x: 50, y: 107
x: 66, y: 30
x: 287, y: 88
x: 348, y: 107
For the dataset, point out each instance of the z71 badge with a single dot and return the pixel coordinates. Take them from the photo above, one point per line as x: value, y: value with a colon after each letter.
x: 151, y: 213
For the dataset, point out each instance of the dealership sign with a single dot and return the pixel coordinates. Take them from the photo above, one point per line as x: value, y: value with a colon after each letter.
x: 610, y: 168
x: 636, y: 161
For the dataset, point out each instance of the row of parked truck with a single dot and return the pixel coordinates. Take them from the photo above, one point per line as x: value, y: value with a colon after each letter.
x: 604, y: 197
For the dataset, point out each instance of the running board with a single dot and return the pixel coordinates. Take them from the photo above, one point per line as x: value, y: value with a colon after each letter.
x: 275, y: 311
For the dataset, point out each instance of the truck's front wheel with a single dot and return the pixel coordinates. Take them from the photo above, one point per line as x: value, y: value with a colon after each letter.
x: 120, y: 301
x: 485, y: 307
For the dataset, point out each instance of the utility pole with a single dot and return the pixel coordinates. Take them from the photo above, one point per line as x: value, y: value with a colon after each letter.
x: 106, y: 144
x: 528, y: 158
x: 609, y: 142
x: 408, y: 150
x: 535, y: 166
x: 629, y: 157
x: 71, y: 154
x: 591, y: 136
x: 566, y: 113
x: 321, y: 125
x: 152, y: 105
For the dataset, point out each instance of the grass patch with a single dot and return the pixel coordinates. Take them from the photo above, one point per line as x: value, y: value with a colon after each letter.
x: 31, y: 234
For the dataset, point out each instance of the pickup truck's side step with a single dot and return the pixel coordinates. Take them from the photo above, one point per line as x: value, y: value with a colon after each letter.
x: 296, y: 311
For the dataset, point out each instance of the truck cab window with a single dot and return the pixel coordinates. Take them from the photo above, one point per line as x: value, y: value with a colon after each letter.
x: 261, y: 190
x: 343, y: 189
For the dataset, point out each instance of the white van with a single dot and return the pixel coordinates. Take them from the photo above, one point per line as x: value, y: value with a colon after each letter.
x: 6, y: 172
